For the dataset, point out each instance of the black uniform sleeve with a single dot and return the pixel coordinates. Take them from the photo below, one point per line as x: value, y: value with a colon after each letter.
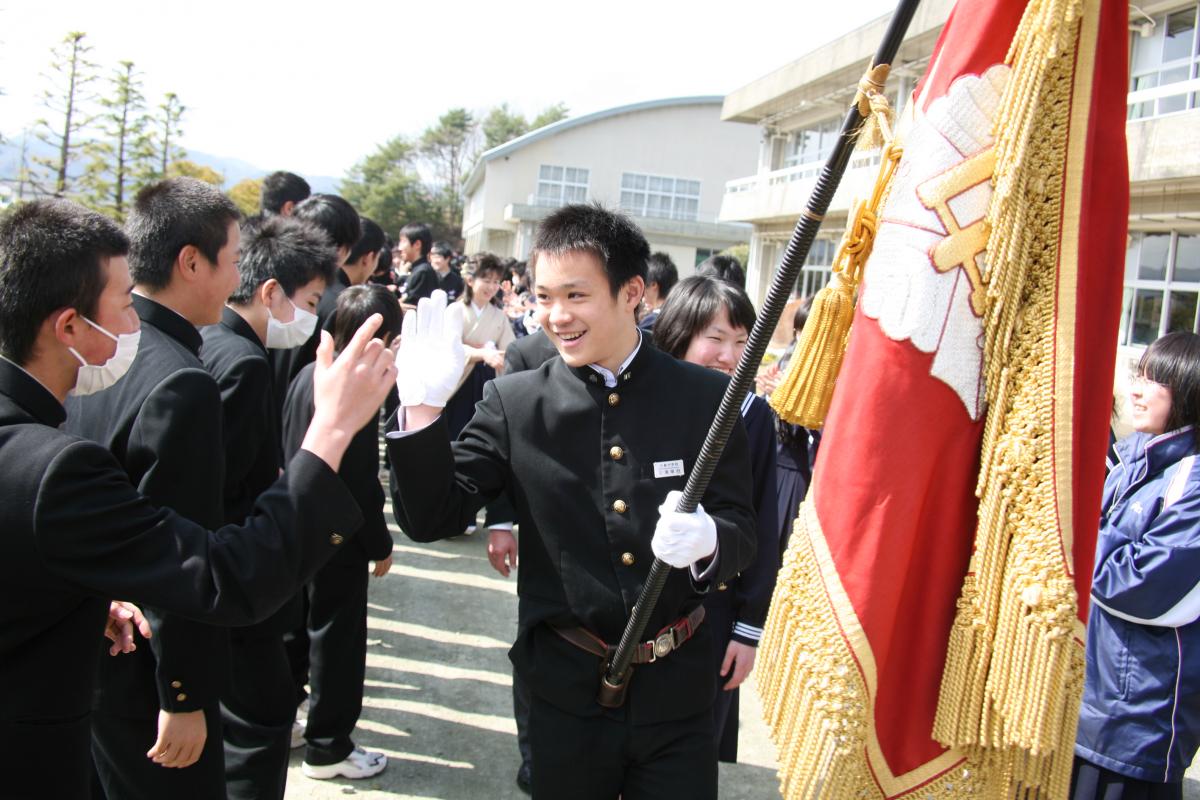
x: 436, y: 489
x: 95, y: 531
x: 176, y: 445
x: 245, y: 394
x: 756, y: 584
x: 359, y: 469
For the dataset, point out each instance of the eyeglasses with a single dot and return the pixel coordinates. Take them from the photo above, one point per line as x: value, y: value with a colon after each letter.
x: 1140, y: 381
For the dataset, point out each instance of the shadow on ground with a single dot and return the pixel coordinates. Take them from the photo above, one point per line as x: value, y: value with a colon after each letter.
x: 438, y: 697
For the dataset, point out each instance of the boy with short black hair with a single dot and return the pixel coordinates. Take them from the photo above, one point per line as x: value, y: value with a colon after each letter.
x: 282, y: 192
x: 594, y: 447
x: 284, y: 266
x: 415, y: 244
x: 660, y: 279
x: 163, y: 423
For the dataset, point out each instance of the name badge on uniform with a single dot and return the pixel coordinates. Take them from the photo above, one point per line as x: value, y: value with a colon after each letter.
x: 668, y: 469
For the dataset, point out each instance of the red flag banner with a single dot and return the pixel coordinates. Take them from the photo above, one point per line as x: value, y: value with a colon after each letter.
x: 926, y: 635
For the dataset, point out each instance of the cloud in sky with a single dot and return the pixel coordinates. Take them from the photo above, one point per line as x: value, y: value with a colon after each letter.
x: 313, y: 87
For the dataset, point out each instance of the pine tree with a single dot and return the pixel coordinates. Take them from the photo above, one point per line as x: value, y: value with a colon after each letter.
x: 123, y: 160
x: 166, y: 134
x: 447, y: 147
x: 67, y: 96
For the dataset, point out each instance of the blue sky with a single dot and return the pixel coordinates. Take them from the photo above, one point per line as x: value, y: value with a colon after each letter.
x: 312, y: 87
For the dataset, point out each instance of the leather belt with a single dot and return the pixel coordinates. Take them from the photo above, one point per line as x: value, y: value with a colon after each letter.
x: 668, y: 640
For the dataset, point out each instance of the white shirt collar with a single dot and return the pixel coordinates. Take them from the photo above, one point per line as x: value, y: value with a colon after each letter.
x: 610, y: 380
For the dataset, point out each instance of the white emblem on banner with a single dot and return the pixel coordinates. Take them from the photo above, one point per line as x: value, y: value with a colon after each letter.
x: 924, y: 279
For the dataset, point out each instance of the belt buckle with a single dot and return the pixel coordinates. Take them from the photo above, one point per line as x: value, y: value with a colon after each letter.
x: 663, y: 645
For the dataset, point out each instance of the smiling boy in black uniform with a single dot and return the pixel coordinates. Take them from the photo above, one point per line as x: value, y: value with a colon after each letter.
x: 589, y: 446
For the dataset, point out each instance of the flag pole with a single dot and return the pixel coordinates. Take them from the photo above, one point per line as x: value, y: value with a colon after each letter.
x: 615, y: 680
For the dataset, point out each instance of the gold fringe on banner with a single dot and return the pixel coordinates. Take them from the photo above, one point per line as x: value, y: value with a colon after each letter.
x: 804, y: 394
x: 1014, y: 668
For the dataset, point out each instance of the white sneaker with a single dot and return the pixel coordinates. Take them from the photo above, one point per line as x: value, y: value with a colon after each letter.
x: 299, y: 726
x: 359, y: 764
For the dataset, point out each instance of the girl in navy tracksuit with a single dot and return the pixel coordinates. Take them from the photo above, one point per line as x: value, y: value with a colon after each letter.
x: 1139, y: 724
x: 706, y: 321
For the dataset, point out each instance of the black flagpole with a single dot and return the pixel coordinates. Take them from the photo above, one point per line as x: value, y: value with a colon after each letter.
x: 616, y: 676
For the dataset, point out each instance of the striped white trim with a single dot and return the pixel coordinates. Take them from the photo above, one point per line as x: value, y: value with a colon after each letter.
x: 747, y: 631
x: 746, y: 403
x: 1178, y: 482
x: 1174, y: 704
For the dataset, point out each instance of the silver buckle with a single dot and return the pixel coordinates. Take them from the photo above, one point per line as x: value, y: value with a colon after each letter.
x: 664, y: 644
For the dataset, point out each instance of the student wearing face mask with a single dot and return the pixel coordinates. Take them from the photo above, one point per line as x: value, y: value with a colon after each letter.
x: 706, y: 321
x: 76, y: 531
x: 284, y: 267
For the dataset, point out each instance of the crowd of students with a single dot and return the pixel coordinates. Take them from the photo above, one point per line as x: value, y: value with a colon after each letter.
x: 231, y: 373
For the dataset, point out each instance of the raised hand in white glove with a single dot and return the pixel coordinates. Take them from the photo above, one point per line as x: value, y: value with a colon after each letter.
x: 430, y: 358
x: 683, y: 539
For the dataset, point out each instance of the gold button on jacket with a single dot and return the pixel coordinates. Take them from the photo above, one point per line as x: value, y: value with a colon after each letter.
x: 176, y: 685
x: 620, y: 507
x: 181, y: 697
x: 336, y: 539
x: 627, y: 559
x: 616, y: 453
x: 614, y: 398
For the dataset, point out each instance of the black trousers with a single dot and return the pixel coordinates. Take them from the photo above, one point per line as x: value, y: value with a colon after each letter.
x: 119, y: 747
x: 599, y: 758
x: 337, y: 631
x: 296, y: 643
x: 257, y: 711
x: 1092, y: 782
x: 521, y: 700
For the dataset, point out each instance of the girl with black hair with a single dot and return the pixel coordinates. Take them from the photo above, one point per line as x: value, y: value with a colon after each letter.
x: 707, y: 321
x: 486, y: 335
x: 1139, y: 723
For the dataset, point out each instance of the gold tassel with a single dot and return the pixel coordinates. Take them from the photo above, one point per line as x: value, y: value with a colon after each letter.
x: 804, y: 395
x: 1014, y: 671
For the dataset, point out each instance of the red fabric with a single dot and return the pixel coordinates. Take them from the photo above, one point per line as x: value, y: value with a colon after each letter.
x: 894, y: 488
x: 1102, y: 237
x: 894, y: 485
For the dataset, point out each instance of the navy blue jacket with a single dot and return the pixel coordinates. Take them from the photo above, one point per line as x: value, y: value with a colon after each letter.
x: 1140, y: 715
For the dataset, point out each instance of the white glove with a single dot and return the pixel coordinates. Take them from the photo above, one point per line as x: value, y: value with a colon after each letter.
x: 431, y: 358
x: 683, y: 539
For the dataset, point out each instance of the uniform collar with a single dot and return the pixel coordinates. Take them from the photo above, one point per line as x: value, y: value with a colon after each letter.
x: 29, y: 393
x: 169, y: 322
x: 1143, y: 454
x: 634, y: 364
x: 234, y: 322
x: 1165, y: 449
x: 341, y: 279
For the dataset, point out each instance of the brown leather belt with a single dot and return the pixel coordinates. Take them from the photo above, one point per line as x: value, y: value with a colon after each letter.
x: 667, y: 640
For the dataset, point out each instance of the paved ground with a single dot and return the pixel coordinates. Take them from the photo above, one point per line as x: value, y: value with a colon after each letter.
x: 439, y: 687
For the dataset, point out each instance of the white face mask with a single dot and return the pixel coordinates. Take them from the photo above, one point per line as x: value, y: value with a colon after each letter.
x: 94, y: 377
x: 286, y: 335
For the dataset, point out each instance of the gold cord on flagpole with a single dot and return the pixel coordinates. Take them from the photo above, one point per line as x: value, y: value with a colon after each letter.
x: 804, y: 395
